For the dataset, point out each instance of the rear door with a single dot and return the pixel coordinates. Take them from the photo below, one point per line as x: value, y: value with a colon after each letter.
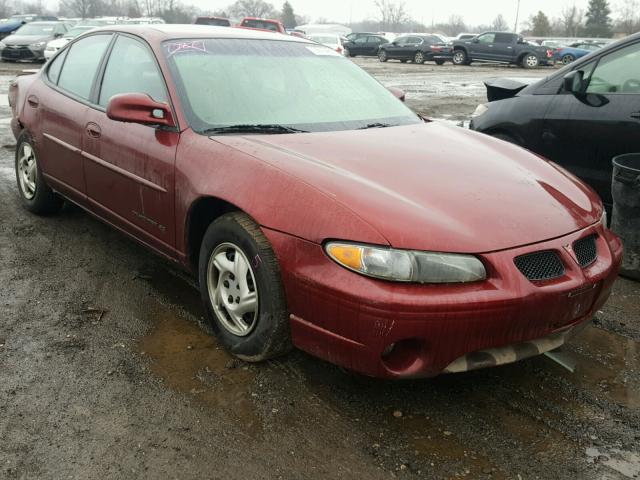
x: 584, y: 132
x: 358, y: 46
x: 63, y: 109
x: 504, y: 47
x: 130, y: 167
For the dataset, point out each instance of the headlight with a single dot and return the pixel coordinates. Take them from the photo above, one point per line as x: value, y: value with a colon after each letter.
x: 38, y: 45
x: 407, y: 265
x: 480, y: 110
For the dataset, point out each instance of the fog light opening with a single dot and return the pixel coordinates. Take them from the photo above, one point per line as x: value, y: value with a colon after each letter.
x: 403, y: 354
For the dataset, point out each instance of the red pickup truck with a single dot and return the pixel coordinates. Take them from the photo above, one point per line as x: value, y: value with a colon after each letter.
x: 264, y: 24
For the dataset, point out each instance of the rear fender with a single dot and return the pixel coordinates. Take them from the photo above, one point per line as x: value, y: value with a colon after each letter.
x: 18, y: 90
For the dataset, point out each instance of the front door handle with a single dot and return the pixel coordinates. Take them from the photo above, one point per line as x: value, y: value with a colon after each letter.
x: 635, y: 115
x: 93, y: 130
x: 33, y: 101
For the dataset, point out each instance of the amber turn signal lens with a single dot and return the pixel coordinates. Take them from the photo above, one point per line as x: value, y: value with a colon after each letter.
x: 348, y: 255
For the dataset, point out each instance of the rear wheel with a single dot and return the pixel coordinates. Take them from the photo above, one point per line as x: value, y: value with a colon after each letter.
x: 36, y: 195
x: 382, y: 56
x: 241, y: 289
x: 419, y: 58
x: 530, y: 61
x: 567, y: 59
x: 439, y: 62
x: 459, y: 57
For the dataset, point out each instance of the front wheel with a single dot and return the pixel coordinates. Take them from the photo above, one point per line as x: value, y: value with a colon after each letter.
x: 419, y: 58
x: 459, y: 57
x: 241, y: 289
x: 382, y: 56
x: 36, y: 195
x: 530, y: 61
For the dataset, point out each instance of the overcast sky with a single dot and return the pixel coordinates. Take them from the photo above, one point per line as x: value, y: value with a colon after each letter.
x: 474, y: 11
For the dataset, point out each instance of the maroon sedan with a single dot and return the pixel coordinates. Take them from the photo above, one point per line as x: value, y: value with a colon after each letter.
x: 315, y: 208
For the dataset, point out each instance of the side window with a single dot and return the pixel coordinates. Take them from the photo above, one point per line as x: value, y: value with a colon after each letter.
x: 82, y: 63
x: 54, y: 69
x: 503, y: 38
x: 415, y: 40
x: 402, y: 41
x: 487, y: 38
x: 131, y: 69
x: 360, y: 41
x: 617, y: 72
x: 373, y: 40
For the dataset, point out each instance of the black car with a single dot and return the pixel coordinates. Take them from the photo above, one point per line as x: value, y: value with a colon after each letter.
x: 365, y: 46
x: 355, y: 35
x: 580, y: 117
x: 501, y: 47
x: 417, y: 48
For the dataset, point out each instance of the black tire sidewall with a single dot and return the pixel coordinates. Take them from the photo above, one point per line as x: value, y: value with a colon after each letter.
x: 44, y: 201
x: 259, y: 344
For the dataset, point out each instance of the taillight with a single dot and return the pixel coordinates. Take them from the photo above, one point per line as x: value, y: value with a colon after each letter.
x: 549, y: 53
x: 339, y: 49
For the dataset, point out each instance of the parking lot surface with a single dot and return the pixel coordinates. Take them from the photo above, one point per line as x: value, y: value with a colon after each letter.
x: 106, y: 370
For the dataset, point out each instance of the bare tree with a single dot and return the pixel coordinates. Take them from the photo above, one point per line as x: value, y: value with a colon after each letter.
x: 252, y: 8
x: 78, y: 8
x: 500, y: 24
x: 628, y: 17
x: 571, y: 20
x: 392, y: 14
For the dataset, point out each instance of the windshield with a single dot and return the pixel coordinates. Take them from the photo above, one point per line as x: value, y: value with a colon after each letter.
x: 308, y: 87
x: 324, y: 39
x: 31, y: 29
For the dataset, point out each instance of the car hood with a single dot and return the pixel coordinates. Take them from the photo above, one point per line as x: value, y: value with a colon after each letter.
x: 25, y: 39
x: 433, y: 186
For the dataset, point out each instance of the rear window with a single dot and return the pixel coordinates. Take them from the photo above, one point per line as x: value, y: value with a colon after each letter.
x: 504, y: 38
x: 261, y: 24
x: 216, y: 22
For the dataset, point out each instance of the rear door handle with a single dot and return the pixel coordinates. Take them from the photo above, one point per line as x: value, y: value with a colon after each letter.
x: 93, y: 130
x: 33, y: 101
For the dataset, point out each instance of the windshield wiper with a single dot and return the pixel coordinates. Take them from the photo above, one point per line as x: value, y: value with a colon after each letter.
x: 258, y: 128
x: 376, y: 125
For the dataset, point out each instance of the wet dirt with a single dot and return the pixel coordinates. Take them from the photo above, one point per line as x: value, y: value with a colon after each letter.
x: 107, y: 370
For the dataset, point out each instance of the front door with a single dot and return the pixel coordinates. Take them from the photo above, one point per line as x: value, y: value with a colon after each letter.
x: 482, y: 47
x: 587, y: 130
x: 130, y: 167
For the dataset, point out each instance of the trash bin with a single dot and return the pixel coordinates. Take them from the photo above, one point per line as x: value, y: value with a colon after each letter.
x: 626, y: 210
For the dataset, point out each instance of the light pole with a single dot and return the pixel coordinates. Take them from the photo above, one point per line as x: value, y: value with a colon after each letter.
x: 515, y: 27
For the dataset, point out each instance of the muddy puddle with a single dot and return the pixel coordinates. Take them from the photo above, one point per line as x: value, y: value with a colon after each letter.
x: 189, y: 359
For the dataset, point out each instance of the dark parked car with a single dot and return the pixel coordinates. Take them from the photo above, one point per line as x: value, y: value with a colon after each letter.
x: 315, y: 208
x: 356, y: 35
x: 416, y: 48
x: 580, y: 117
x: 213, y: 21
x: 364, y: 46
x: 576, y: 50
x: 29, y: 41
x: 501, y: 47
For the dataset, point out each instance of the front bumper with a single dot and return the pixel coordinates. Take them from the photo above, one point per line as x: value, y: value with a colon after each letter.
x: 21, y: 52
x: 392, y: 330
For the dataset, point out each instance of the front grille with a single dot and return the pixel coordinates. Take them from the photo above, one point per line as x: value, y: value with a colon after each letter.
x: 586, y: 250
x: 16, y: 52
x: 538, y: 266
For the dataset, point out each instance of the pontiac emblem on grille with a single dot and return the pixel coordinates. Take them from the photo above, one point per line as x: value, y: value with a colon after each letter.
x: 569, y: 249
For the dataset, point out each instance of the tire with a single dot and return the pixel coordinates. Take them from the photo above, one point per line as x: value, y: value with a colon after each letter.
x: 347, y: 53
x: 35, y: 194
x: 439, y: 62
x: 262, y: 331
x: 567, y: 59
x: 419, y: 58
x: 382, y: 56
x: 505, y: 137
x: 530, y: 61
x: 460, y: 57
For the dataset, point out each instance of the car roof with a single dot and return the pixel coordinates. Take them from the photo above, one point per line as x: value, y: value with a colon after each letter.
x: 161, y: 32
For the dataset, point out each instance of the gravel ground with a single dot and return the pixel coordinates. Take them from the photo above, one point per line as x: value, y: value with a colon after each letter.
x: 107, y: 372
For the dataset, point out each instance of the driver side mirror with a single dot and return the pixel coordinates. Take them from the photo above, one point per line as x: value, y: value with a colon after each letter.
x: 475, y: 40
x: 572, y: 82
x: 398, y: 93
x: 139, y: 108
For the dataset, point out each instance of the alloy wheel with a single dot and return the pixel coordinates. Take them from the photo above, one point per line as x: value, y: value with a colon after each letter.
x: 27, y: 170
x: 531, y: 61
x: 233, y: 290
x: 459, y: 57
x: 567, y: 59
x: 419, y: 58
